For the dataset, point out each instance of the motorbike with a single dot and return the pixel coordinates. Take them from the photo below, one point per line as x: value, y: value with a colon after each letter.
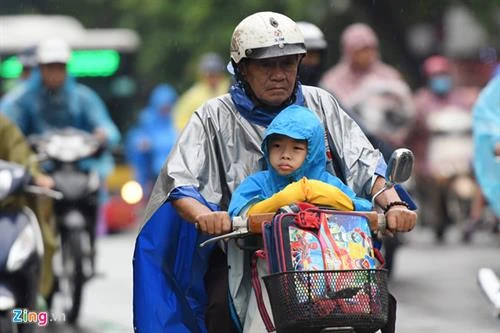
x: 449, y: 157
x: 21, y: 249
x: 293, y: 315
x: 76, y: 213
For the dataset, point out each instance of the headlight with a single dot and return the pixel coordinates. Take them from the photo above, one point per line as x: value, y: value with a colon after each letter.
x: 131, y: 192
x: 21, y: 249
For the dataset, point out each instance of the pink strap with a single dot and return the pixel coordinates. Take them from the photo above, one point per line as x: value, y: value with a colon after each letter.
x: 258, y: 291
x: 379, y: 257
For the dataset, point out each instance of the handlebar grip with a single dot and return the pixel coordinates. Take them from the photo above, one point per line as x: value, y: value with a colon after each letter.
x: 376, y: 221
x: 255, y: 222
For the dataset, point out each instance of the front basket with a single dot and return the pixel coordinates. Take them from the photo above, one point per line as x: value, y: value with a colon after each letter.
x: 307, y: 301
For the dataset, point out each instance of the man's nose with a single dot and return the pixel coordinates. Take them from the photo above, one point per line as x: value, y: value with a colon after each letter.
x: 277, y: 72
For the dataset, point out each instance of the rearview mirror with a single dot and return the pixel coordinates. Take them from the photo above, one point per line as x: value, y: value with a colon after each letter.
x: 400, y: 166
x: 399, y: 169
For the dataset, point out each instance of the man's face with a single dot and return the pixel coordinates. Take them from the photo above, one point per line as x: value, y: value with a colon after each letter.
x: 286, y: 154
x: 53, y: 75
x: 362, y: 59
x: 272, y: 80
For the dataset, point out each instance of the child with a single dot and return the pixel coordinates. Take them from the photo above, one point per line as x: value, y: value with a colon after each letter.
x: 294, y: 149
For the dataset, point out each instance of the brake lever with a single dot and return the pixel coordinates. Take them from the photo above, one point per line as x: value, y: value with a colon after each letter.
x: 239, y: 229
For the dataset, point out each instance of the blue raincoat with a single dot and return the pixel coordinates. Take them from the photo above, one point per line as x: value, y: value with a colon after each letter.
x: 486, y: 130
x: 298, y: 123
x: 35, y: 111
x: 155, y: 128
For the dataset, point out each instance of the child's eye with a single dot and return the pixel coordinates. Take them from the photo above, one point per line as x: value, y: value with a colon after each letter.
x: 299, y: 148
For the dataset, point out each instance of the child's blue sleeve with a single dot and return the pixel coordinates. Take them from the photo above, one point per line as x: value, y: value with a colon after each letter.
x: 248, y: 192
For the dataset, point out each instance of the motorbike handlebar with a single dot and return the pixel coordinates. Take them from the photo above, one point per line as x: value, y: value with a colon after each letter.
x: 34, y: 189
x: 253, y: 225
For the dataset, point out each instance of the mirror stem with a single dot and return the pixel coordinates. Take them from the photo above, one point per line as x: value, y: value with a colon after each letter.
x: 388, y: 185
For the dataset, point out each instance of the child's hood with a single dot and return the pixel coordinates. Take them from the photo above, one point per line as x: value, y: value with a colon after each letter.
x: 299, y: 123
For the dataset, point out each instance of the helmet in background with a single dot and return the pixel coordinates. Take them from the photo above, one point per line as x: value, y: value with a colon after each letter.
x: 266, y: 35
x: 313, y: 36
x: 211, y: 63
x: 52, y: 51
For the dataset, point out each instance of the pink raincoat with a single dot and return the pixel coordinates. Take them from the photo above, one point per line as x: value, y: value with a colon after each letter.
x: 343, y: 80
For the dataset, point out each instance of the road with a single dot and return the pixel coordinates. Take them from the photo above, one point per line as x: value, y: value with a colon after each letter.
x: 435, y: 286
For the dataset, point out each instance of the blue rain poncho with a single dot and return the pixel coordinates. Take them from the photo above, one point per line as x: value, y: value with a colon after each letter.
x: 149, y: 142
x: 486, y: 130
x: 36, y: 110
x: 298, y: 123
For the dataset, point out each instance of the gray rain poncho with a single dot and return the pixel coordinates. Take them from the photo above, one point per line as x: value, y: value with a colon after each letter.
x: 216, y: 151
x: 219, y: 148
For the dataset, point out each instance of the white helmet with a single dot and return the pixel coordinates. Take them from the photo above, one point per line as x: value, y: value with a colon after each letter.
x: 266, y: 35
x: 313, y: 36
x: 53, y: 51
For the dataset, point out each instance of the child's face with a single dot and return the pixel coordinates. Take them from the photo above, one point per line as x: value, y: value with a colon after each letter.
x: 286, y: 154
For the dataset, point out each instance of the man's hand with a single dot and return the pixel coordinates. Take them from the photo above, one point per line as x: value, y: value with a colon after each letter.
x: 101, y: 135
x: 497, y: 149
x: 214, y: 223
x: 44, y: 181
x: 401, y: 219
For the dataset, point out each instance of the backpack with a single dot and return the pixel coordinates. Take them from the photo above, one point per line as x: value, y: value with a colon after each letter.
x: 323, y: 271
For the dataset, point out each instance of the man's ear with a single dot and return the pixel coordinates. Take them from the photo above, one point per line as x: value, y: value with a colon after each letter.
x: 242, y: 69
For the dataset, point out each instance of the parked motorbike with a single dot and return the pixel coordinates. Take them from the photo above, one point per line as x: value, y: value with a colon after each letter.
x: 449, y: 159
x: 21, y: 248
x: 302, y: 315
x: 76, y: 214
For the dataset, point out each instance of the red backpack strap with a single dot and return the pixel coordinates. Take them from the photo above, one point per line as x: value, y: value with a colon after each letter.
x: 258, y: 291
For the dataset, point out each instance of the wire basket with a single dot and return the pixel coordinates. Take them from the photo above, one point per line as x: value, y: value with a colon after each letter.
x: 308, y: 301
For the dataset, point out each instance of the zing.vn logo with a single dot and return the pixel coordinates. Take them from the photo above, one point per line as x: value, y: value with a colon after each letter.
x: 24, y: 316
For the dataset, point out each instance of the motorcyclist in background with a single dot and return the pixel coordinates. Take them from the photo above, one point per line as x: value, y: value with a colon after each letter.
x: 15, y: 148
x: 312, y: 65
x: 51, y: 99
x: 438, y: 93
x: 149, y: 142
x: 360, y: 61
x: 212, y: 82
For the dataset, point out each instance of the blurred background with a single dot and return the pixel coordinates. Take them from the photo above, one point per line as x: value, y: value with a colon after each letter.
x: 123, y: 49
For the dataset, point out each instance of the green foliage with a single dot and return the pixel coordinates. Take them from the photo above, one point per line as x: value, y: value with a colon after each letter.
x: 175, y: 33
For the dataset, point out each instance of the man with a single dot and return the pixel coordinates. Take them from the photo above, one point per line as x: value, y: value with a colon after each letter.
x: 218, y: 149
x: 440, y: 94
x: 150, y: 140
x: 312, y: 65
x: 14, y: 148
x: 52, y: 99
x: 211, y: 82
x: 360, y: 61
